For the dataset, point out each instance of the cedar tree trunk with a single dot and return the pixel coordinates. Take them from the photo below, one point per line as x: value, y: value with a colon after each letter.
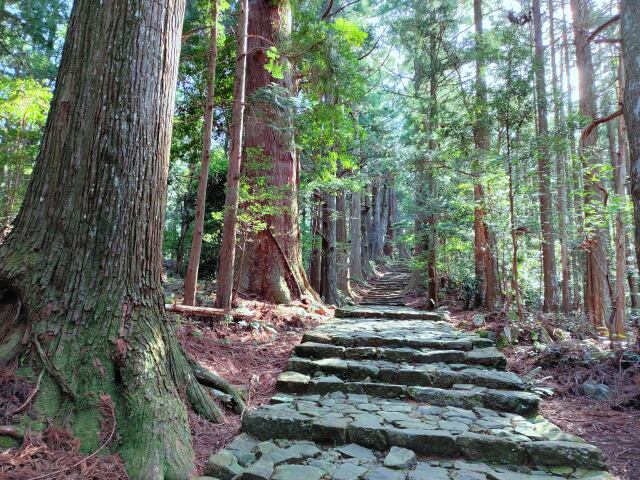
x: 630, y: 18
x: 272, y: 267
x: 329, y: 290
x: 355, y: 227
x: 226, y: 264
x: 595, y: 241
x: 544, y: 170
x: 191, y: 277
x: 80, y: 272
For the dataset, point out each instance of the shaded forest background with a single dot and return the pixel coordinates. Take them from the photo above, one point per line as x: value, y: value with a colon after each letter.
x: 462, y: 146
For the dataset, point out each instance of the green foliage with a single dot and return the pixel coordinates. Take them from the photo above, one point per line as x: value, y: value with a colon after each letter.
x: 24, y: 104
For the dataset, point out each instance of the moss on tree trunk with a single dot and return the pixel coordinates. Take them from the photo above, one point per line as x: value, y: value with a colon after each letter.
x: 80, y: 272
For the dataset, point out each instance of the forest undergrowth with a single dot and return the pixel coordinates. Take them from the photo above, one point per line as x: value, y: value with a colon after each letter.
x: 559, y: 371
x: 250, y: 355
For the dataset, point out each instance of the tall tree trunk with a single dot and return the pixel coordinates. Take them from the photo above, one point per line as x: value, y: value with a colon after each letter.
x: 574, y: 202
x: 483, y: 256
x: 366, y: 225
x: 272, y: 268
x: 515, y: 280
x: 393, y: 218
x: 355, y: 228
x: 595, y: 241
x: 191, y: 278
x: 329, y: 290
x: 544, y: 170
x: 617, y: 156
x: 226, y: 263
x: 342, y: 246
x: 315, y: 267
x: 83, y: 263
x: 630, y: 18
x: 377, y: 199
x: 561, y: 161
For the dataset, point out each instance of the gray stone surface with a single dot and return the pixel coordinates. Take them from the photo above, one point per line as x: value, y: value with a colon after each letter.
x: 298, y: 472
x: 349, y: 471
x: 377, y: 392
x: 354, y: 450
x: 261, y: 470
x: 570, y: 454
x: 223, y: 465
x: 400, y: 458
x: 383, y: 473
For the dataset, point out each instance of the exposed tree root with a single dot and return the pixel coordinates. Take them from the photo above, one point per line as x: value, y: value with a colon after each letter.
x: 210, y: 379
x: 205, y: 312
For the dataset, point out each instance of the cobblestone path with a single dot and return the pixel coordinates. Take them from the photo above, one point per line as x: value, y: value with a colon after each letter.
x: 390, y: 393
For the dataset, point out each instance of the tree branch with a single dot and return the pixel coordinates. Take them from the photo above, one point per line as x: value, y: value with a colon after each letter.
x: 343, y: 7
x: 587, y: 131
x: 327, y: 11
x: 602, y: 27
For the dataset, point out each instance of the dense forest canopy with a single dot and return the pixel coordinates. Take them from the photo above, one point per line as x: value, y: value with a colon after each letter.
x: 492, y: 145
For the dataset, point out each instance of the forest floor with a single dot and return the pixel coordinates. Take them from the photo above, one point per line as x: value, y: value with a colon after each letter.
x: 249, y: 355
x: 612, y: 424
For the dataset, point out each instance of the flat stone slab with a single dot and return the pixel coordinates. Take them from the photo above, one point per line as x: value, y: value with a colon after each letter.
x: 354, y: 462
x: 460, y: 395
x: 489, y: 356
x: 369, y: 398
x: 418, y: 334
x: 395, y: 312
x: 423, y: 375
x: 478, y: 434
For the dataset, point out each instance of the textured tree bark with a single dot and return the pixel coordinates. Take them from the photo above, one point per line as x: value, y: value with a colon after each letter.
x: 561, y: 161
x: 366, y: 225
x: 355, y: 228
x: 433, y: 282
x: 393, y: 218
x: 272, y: 268
x: 329, y: 290
x: 595, y: 241
x: 483, y: 257
x: 574, y: 201
x: 315, y: 267
x: 617, y: 154
x: 81, y: 271
x: 377, y: 207
x: 342, y: 246
x: 226, y: 264
x: 630, y: 18
x: 544, y: 171
x: 384, y: 220
x: 191, y: 277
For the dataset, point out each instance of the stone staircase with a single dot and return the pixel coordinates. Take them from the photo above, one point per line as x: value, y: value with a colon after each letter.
x: 388, y: 289
x: 390, y: 393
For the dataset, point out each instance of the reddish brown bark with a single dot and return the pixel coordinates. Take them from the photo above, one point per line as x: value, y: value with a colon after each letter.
x: 191, y: 277
x: 226, y: 262
x: 544, y: 170
x: 630, y: 18
x: 561, y: 174
x: 483, y: 256
x: 595, y: 241
x: 80, y: 273
x: 272, y: 267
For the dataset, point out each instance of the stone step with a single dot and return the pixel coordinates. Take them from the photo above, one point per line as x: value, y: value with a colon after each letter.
x: 426, y: 375
x: 488, y: 356
x: 460, y: 395
x: 391, y: 313
x: 246, y: 458
x: 478, y: 435
x: 417, y: 334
